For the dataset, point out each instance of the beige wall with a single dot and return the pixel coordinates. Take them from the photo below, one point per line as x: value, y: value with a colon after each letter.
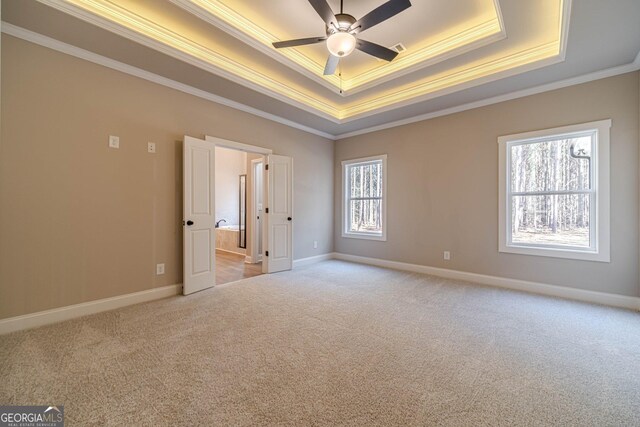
x: 443, y: 186
x: 80, y: 221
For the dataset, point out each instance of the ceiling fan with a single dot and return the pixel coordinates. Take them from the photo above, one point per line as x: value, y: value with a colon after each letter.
x: 343, y: 30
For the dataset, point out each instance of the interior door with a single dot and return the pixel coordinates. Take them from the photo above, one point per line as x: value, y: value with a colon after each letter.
x: 278, y: 254
x: 199, y: 215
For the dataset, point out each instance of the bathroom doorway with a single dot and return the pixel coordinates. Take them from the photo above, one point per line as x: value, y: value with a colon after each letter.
x: 222, y: 211
x: 236, y: 189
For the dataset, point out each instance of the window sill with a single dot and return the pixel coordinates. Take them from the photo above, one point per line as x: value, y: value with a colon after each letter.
x: 365, y: 236
x: 601, y: 256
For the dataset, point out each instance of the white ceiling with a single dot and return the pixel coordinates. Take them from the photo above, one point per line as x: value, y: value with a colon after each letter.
x: 414, y: 27
x: 603, y: 37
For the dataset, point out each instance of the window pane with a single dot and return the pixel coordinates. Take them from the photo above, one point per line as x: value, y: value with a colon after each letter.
x: 366, y: 180
x: 550, y: 165
x: 551, y: 220
x: 365, y: 216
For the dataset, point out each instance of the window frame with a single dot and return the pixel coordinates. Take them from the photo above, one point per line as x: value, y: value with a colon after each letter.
x: 599, y: 221
x: 346, y: 184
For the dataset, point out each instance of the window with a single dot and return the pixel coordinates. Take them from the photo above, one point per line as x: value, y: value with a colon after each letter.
x: 554, y: 192
x: 364, y: 199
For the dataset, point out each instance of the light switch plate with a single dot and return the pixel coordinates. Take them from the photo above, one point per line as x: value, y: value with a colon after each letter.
x: 151, y: 147
x: 114, y: 141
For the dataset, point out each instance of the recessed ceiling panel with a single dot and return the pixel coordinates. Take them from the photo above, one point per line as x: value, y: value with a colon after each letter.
x: 450, y: 46
x: 431, y: 31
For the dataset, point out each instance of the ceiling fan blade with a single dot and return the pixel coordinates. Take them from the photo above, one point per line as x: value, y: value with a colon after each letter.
x: 380, y: 14
x: 332, y: 64
x: 376, y: 50
x: 324, y: 10
x: 298, y: 42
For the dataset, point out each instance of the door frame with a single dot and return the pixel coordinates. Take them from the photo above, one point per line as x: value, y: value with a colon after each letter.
x: 239, y: 146
x: 256, y: 256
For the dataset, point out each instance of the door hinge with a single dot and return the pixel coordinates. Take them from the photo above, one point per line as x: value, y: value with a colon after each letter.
x: 266, y: 167
x: 266, y: 253
x: 266, y: 210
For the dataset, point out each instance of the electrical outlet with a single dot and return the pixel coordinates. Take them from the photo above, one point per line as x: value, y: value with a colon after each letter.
x: 159, y: 269
x: 315, y: 244
x: 114, y: 141
x: 151, y: 147
x: 447, y: 255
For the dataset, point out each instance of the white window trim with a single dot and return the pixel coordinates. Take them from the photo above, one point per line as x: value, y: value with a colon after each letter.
x: 601, y: 225
x: 345, y: 212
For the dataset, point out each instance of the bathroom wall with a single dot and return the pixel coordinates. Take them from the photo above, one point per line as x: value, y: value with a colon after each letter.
x: 230, y: 164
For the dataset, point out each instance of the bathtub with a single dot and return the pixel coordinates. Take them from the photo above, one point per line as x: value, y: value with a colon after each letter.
x: 227, y: 237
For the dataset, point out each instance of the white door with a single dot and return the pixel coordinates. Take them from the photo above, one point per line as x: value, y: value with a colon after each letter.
x: 278, y: 254
x: 199, y: 215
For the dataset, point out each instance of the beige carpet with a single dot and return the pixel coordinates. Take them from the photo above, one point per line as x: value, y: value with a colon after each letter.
x: 335, y: 344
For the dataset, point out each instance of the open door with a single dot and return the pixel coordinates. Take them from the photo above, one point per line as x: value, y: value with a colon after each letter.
x: 199, y: 215
x: 278, y: 224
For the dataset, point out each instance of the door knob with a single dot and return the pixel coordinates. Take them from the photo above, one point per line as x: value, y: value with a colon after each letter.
x: 189, y: 223
x: 289, y: 219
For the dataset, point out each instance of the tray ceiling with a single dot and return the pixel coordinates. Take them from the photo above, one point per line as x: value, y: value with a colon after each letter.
x: 431, y: 32
x: 459, y: 54
x: 534, y: 37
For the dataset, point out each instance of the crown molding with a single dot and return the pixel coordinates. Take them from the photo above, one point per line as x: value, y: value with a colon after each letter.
x: 330, y: 82
x: 185, y: 50
x: 215, y: 63
x: 65, y: 48
x: 585, y: 78
x: 565, y: 10
x: 501, y: 34
x: 214, y: 13
x: 445, y: 84
x: 95, y: 58
x: 517, y: 63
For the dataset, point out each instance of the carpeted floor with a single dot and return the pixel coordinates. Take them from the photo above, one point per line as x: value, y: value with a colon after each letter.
x: 335, y: 344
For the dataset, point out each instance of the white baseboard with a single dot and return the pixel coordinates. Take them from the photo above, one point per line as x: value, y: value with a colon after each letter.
x: 250, y: 260
x: 55, y: 315
x: 312, y: 259
x: 503, y: 282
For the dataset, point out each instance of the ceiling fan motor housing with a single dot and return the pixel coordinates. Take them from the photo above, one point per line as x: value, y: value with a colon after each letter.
x: 344, y: 22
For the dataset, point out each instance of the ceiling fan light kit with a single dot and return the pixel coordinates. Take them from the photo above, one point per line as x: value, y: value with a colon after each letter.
x: 343, y: 29
x: 341, y: 43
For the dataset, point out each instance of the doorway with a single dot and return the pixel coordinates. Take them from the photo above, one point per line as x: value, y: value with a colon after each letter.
x: 235, y: 189
x: 250, y: 236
